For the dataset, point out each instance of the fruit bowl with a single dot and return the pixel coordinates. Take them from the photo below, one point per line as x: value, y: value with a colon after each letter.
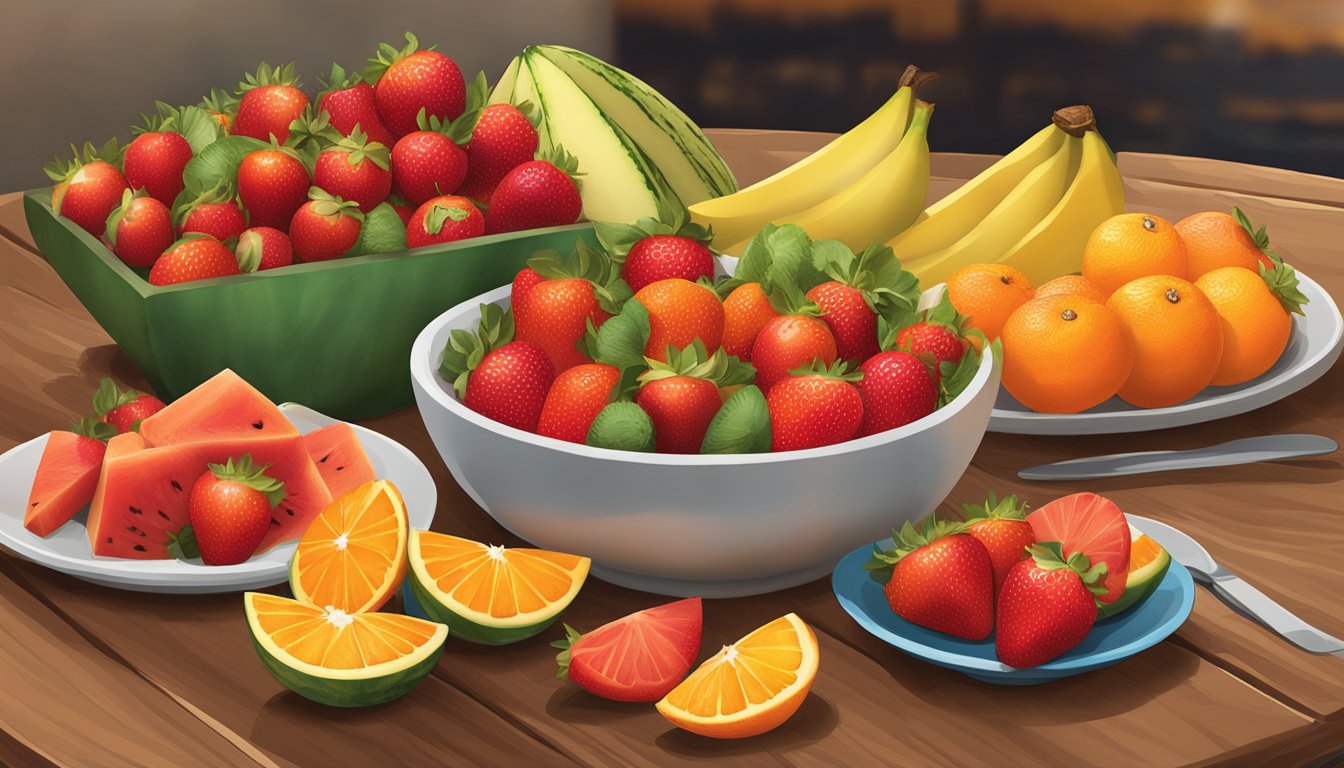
x: 333, y: 335
x: 715, y: 526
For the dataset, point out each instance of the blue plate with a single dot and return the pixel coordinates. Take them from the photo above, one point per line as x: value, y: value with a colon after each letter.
x: 1110, y: 640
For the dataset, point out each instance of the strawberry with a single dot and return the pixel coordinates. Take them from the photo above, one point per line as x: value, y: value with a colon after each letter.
x: 523, y: 283
x: 681, y: 395
x: 574, y: 291
x: 746, y: 310
x: 862, y: 287
x: 272, y: 184
x: 194, y: 257
x: 538, y: 193
x: 897, y: 388
x: 444, y: 219
x: 938, y: 577
x: 269, y: 101
x: 814, y: 407
x: 214, y: 213
x: 351, y: 104
x: 680, y: 312
x: 575, y: 398
x: 787, y: 342
x: 659, y: 248
x: 230, y: 510
x: 638, y: 658
x: 355, y: 169
x: 496, y: 376
x: 154, y: 162
x: 325, y: 227
x: 263, y: 248
x: 1047, y: 605
x: 409, y: 80
x: 123, y: 410
x: 939, y: 332
x: 403, y: 208
x: 430, y: 161
x: 88, y: 188
x: 222, y: 106
x: 140, y: 230
x: 1003, y: 528
x: 503, y: 138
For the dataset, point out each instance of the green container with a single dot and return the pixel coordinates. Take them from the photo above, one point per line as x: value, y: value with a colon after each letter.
x: 335, y: 335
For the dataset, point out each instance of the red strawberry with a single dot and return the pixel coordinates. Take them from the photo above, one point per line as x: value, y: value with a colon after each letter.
x: 897, y: 388
x: 510, y: 379
x: 538, y: 193
x: 89, y: 188
x: 654, y: 249
x: 214, y: 214
x: 194, y: 257
x: 230, y: 510
x: 444, y: 219
x: 350, y: 102
x: 263, y: 248
x: 640, y: 657
x: 523, y: 283
x: 355, y: 169
x: 409, y: 80
x: 852, y: 322
x: 429, y: 162
x: 154, y: 162
x: 940, y: 332
x: 788, y: 342
x: 503, y: 138
x: 575, y: 291
x: 939, y: 577
x: 270, y: 101
x: 862, y: 287
x: 1003, y: 528
x: 272, y: 184
x: 403, y: 208
x: 140, y: 230
x: 1047, y: 605
x: 124, y: 410
x: 681, y: 396
x: 325, y: 227
x: 746, y: 310
x: 816, y: 408
x: 574, y: 400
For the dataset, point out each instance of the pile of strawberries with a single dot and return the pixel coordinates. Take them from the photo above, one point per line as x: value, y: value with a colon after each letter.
x: 635, y: 345
x: 404, y: 154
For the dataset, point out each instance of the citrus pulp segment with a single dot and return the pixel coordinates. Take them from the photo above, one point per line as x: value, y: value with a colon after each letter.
x: 353, y: 555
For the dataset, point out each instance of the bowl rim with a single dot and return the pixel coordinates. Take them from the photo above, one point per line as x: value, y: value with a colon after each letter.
x: 425, y: 377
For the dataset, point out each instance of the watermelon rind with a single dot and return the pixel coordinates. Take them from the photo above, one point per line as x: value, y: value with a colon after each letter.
x: 1138, y: 587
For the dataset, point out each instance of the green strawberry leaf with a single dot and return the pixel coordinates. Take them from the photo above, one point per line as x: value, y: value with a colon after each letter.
x: 742, y: 425
x: 313, y: 129
x: 620, y: 340
x: 387, y: 56
x: 889, y: 290
x: 618, y: 237
x: 907, y: 540
x: 242, y: 471
x: 994, y: 508
x: 383, y: 232
x: 216, y: 167
x: 109, y: 397
x: 182, y: 545
x: 572, y: 636
x: 622, y: 426
x: 465, y: 349
x: 268, y: 75
x: 1259, y: 236
x: 338, y: 80
x: 1049, y: 556
x: 953, y: 378
x: 95, y: 428
x: 1283, y: 283
x: 696, y: 361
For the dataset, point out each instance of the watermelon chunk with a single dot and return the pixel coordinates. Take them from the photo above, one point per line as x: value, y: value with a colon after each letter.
x: 1093, y: 525
x: 340, y: 458
x: 224, y: 407
x: 66, y: 478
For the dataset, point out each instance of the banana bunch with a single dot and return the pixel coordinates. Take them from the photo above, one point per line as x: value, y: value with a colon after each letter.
x: 1032, y: 210
x: 865, y: 186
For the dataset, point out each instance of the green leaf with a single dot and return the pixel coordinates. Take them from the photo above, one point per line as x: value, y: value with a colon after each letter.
x: 109, y: 397
x: 383, y: 232
x: 953, y: 378
x: 182, y: 545
x: 242, y: 471
x: 216, y: 167
x: 742, y: 425
x: 622, y: 426
x: 994, y: 508
x: 621, y: 339
x: 572, y: 636
x: 1283, y: 283
x: 95, y: 428
x: 465, y: 349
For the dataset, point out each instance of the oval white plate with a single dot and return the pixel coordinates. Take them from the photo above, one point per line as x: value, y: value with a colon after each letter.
x: 67, y: 549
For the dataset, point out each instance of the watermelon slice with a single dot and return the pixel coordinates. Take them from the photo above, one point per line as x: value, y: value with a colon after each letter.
x: 66, y: 478
x: 1093, y: 525
x: 225, y: 407
x: 640, y: 657
x: 340, y: 458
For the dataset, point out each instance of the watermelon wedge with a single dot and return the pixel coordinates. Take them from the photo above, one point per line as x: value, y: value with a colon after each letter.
x: 67, y: 476
x: 223, y: 408
x: 640, y: 657
x: 1093, y: 525
x: 340, y: 458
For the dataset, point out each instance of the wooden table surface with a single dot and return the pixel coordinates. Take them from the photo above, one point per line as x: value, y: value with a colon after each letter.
x: 94, y: 676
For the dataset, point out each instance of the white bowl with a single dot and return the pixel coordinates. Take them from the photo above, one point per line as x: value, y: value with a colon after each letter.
x: 715, y: 526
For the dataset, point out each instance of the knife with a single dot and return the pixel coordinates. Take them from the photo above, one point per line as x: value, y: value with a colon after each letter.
x: 1244, y: 451
x: 1231, y: 589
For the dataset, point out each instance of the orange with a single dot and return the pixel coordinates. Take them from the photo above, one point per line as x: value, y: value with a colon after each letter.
x: 680, y: 312
x: 987, y: 294
x: 745, y: 313
x: 749, y: 687
x: 1129, y: 246
x: 1178, y: 339
x: 1065, y: 354
x: 1070, y: 285
x: 1214, y: 239
x: 1255, y: 324
x: 353, y: 555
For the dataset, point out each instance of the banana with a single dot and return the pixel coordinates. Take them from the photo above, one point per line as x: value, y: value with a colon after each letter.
x: 820, y: 175
x: 950, y: 219
x: 1055, y: 246
x: 881, y: 202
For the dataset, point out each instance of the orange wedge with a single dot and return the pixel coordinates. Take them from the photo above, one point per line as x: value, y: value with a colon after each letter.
x: 353, y: 555
x: 749, y: 687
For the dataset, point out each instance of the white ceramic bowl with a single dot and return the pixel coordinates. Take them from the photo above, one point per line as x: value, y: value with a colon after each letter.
x: 715, y: 526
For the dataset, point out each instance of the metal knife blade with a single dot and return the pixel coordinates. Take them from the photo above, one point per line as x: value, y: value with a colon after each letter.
x: 1244, y: 451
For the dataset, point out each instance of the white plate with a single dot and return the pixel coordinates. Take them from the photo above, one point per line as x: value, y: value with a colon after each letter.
x: 67, y: 549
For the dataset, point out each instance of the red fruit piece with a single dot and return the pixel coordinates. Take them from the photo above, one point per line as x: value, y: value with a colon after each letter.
x: 938, y: 577
x: 444, y: 219
x: 897, y: 388
x: 1001, y: 525
x: 503, y: 138
x: 263, y: 248
x: 640, y: 657
x: 809, y: 410
x: 67, y: 475
x: 355, y: 169
x: 681, y: 396
x: 680, y: 312
x: 939, y: 332
x: 410, y: 80
x: 428, y: 163
x: 863, y: 287
x: 270, y: 101
x: 745, y: 312
x: 574, y: 400
x: 1094, y: 526
x: 89, y: 187
x: 523, y: 283
x: 660, y: 257
x: 350, y: 102
x: 272, y: 184
x: 403, y: 208
x: 575, y: 290
x: 538, y: 193
x: 1046, y: 606
x: 123, y: 410
x: 496, y: 376
x: 325, y: 227
x: 852, y: 322
x: 230, y: 510
x: 140, y: 230
x: 194, y: 257
x: 214, y: 214
x: 789, y: 342
x: 154, y: 162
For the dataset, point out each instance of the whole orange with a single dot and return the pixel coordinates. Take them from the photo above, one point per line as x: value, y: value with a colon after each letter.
x: 1070, y: 285
x: 1256, y: 326
x: 1178, y: 339
x: 1129, y: 246
x: 1214, y: 239
x: 987, y: 294
x: 680, y: 312
x: 745, y: 313
x: 1065, y: 354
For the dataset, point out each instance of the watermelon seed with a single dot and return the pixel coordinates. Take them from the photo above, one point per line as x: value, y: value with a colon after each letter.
x: 109, y: 539
x: 276, y: 522
x: 258, y: 424
x: 177, y: 485
x: 338, y: 469
x: 289, y: 511
x: 139, y: 548
x: 135, y: 511
x: 132, y: 528
x: 164, y: 515
x: 323, y: 460
x: 35, y: 503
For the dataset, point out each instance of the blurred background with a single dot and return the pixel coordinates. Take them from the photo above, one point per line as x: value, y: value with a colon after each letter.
x: 1258, y: 81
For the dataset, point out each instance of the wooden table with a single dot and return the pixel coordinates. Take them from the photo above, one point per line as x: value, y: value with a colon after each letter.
x: 93, y: 676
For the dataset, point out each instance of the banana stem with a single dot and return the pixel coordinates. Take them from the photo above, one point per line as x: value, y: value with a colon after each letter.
x: 1075, y: 121
x: 915, y: 77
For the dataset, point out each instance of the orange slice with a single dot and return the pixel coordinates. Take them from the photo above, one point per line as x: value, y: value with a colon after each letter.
x: 749, y: 687
x: 353, y: 555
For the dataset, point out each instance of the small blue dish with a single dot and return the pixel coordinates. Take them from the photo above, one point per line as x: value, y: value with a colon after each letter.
x: 1110, y: 640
